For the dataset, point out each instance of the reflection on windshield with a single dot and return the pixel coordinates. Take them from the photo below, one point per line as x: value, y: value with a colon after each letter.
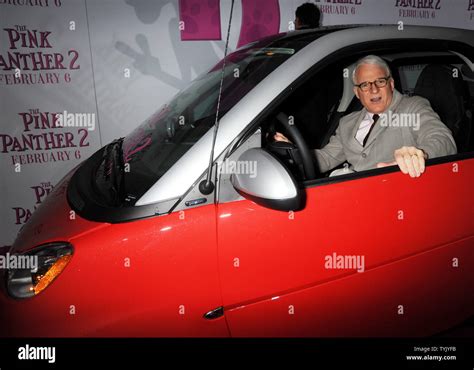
x: 153, y: 147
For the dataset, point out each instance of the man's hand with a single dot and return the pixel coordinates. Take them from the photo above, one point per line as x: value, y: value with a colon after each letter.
x: 411, y: 161
x: 281, y: 137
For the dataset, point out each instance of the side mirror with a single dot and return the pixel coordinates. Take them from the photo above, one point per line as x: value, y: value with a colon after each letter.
x: 269, y: 184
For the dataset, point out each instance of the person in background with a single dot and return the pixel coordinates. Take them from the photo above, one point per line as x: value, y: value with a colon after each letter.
x: 307, y: 16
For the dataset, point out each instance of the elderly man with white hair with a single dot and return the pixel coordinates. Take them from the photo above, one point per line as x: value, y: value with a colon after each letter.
x: 391, y: 129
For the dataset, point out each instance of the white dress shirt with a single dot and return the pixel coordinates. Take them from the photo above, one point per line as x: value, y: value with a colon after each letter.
x: 364, y: 127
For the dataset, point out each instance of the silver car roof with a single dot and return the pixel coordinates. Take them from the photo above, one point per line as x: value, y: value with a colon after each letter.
x: 189, y: 168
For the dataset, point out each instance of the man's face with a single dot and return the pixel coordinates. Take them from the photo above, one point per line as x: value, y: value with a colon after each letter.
x: 376, y: 99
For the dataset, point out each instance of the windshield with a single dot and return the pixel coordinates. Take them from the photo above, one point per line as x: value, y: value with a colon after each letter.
x: 153, y: 147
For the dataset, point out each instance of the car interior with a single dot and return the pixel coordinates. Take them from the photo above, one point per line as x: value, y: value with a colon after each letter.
x: 316, y: 106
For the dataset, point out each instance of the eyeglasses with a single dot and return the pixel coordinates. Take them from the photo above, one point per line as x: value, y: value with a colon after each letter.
x: 379, y: 83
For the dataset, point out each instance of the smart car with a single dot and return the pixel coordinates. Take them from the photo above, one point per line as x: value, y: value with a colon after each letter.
x: 186, y: 227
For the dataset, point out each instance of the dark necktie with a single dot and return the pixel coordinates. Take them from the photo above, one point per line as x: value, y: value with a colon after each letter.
x: 375, y: 117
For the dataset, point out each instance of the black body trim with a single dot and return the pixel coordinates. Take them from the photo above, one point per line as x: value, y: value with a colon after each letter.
x: 88, y: 204
x: 381, y: 171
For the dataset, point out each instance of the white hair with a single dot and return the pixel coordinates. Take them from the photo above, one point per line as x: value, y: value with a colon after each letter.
x: 370, y: 59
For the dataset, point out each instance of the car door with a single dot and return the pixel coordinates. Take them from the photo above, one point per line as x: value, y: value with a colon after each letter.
x: 371, y: 254
x: 406, y: 247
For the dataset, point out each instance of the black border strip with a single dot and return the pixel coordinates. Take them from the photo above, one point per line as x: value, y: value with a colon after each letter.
x: 319, y: 353
x: 385, y: 170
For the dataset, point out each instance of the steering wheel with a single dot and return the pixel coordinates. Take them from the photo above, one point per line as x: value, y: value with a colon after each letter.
x: 300, y: 143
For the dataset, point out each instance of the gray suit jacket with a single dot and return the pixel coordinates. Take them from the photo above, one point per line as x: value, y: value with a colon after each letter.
x: 409, y: 121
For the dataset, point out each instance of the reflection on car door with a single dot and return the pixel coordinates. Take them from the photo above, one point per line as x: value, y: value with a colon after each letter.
x: 375, y: 255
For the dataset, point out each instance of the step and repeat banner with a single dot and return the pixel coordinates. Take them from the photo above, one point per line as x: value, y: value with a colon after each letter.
x: 76, y: 74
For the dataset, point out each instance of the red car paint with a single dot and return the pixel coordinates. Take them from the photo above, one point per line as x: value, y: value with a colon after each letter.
x: 409, y: 258
x: 159, y: 276
x: 153, y: 277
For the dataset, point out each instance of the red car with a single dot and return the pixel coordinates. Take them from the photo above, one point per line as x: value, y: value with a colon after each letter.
x: 136, y: 242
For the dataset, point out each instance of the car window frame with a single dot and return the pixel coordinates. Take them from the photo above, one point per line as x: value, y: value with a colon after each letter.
x: 352, y: 53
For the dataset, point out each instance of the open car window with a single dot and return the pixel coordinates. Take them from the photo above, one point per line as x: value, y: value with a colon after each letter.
x: 313, y: 104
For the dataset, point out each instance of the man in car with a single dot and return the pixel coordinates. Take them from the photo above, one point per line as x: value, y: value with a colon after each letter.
x: 391, y: 129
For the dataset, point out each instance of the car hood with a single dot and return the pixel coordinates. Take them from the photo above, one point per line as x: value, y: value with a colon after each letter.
x: 53, y: 221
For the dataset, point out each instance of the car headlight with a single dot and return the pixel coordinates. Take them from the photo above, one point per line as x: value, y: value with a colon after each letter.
x: 36, y: 270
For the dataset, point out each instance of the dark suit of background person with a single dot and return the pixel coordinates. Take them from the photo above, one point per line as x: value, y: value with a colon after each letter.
x: 307, y: 16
